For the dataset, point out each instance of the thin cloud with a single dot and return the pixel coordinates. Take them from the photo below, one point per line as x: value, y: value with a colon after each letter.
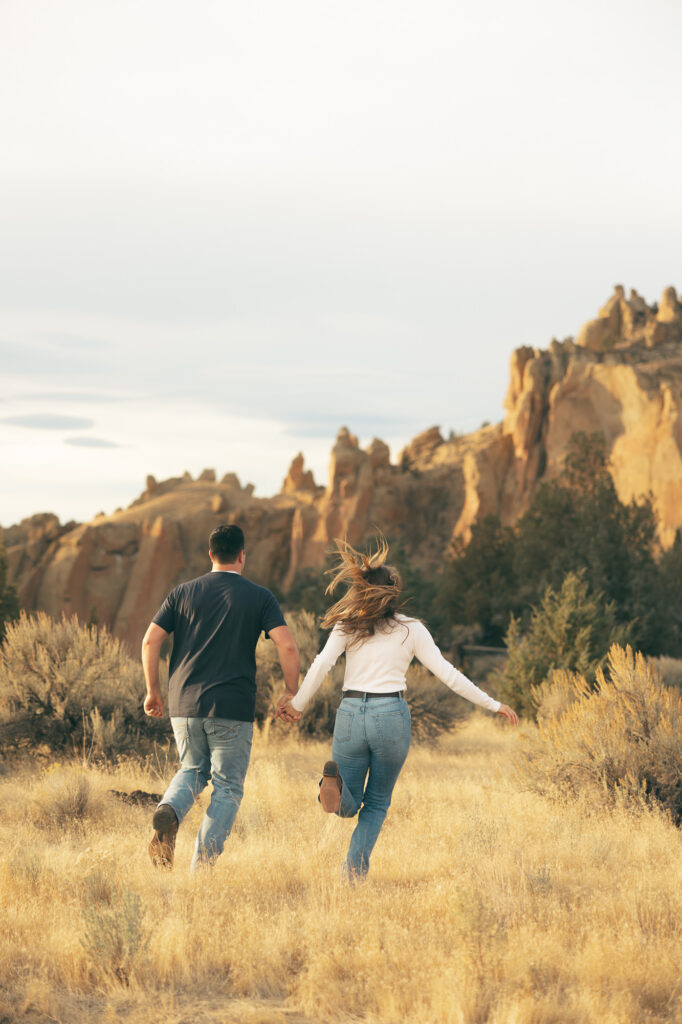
x: 90, y: 442
x: 48, y: 421
x: 70, y: 396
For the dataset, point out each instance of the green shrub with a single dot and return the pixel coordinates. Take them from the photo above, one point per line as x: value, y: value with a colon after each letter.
x: 479, y: 586
x: 621, y: 736
x: 571, y: 629
x: 70, y: 687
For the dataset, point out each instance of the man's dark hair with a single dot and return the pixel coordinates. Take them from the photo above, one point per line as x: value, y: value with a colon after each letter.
x: 226, y: 542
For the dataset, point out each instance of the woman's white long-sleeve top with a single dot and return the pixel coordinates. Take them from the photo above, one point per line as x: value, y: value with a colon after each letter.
x: 379, y: 664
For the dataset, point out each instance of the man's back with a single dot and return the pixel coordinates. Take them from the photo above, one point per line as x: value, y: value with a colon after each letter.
x: 216, y: 620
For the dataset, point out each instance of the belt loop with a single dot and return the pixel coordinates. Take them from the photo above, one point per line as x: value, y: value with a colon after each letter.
x: 364, y: 698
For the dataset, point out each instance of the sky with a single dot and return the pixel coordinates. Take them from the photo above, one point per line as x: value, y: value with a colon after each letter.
x: 226, y: 230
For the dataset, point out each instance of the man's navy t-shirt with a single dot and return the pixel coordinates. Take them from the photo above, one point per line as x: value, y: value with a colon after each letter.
x: 216, y: 620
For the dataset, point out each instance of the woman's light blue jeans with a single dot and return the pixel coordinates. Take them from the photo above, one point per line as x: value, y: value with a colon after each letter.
x: 371, y: 741
x: 219, y: 749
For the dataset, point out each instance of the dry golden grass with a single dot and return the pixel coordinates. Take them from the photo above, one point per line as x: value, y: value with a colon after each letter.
x: 484, y: 903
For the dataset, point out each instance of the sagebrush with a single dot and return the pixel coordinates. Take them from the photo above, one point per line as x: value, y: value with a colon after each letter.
x: 68, y: 686
x: 620, y: 737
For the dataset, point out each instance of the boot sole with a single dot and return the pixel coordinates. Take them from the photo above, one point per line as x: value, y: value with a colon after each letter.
x: 164, y: 819
x: 330, y: 788
x: 162, y: 844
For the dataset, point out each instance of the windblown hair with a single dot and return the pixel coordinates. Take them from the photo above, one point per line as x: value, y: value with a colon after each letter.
x: 373, y: 595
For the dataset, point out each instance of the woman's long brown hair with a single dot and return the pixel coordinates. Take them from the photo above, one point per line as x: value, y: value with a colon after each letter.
x: 373, y: 595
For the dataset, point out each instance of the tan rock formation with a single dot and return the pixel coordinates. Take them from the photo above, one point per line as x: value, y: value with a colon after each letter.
x: 298, y: 478
x: 622, y: 322
x: 623, y: 377
x: 125, y: 564
x: 420, y: 448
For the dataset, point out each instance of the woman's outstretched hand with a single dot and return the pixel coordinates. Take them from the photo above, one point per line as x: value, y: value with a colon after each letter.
x: 508, y: 713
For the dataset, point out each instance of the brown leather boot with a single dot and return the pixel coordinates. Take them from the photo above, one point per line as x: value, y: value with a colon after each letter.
x: 330, y: 788
x: 162, y: 845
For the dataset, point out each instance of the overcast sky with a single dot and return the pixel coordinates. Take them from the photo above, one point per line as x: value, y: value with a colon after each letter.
x: 228, y: 229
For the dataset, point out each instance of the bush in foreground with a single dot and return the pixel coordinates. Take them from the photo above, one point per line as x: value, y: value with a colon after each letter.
x: 624, y: 736
x: 68, y: 686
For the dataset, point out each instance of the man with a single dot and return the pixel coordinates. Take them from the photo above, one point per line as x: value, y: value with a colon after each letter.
x: 216, y: 621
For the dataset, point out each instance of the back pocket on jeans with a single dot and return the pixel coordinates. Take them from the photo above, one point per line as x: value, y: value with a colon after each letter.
x: 394, y: 725
x: 343, y: 725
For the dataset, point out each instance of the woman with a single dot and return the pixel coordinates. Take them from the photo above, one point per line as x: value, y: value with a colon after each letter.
x: 372, y: 728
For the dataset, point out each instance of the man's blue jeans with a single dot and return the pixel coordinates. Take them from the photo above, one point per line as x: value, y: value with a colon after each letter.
x: 371, y: 735
x: 219, y: 749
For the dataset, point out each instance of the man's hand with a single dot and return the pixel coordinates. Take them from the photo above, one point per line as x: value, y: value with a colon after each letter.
x: 151, y: 653
x: 284, y: 709
x: 153, y: 704
x: 508, y: 713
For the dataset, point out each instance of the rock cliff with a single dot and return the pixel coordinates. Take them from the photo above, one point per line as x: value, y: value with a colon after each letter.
x: 621, y: 376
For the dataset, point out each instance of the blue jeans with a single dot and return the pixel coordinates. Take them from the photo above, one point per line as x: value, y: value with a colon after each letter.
x: 371, y: 741
x: 219, y: 749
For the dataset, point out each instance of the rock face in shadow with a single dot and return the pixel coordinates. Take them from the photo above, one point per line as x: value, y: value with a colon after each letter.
x: 622, y: 376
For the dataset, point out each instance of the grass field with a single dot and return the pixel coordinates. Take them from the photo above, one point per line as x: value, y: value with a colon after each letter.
x: 485, y: 903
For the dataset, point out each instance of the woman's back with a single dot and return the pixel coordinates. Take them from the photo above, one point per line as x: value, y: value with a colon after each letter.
x: 379, y: 663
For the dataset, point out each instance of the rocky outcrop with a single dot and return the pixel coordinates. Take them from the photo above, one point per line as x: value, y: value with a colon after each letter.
x: 299, y: 479
x: 123, y: 565
x: 623, y: 322
x: 622, y: 376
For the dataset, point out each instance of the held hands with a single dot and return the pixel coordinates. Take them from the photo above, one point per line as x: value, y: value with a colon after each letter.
x: 284, y: 709
x: 153, y: 705
x: 509, y: 714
